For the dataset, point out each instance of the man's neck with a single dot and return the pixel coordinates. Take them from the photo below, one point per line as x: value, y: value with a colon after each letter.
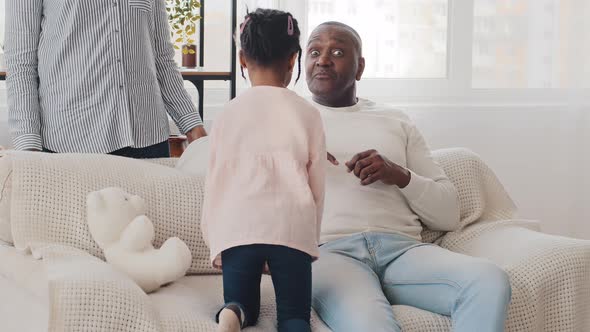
x: 336, y: 103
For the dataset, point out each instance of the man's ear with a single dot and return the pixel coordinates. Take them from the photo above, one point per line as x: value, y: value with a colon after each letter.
x: 361, y: 69
x: 242, y: 57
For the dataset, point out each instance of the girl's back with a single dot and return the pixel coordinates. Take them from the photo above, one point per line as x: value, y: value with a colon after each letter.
x: 268, y: 121
x: 261, y: 149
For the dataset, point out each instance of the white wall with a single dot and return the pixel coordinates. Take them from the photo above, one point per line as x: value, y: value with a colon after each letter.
x: 540, y: 153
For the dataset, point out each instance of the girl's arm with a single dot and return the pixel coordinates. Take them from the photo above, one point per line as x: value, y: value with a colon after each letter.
x: 317, y: 169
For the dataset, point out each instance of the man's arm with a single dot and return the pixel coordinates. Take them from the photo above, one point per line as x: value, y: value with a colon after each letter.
x: 429, y: 192
x: 23, y: 31
x: 176, y: 100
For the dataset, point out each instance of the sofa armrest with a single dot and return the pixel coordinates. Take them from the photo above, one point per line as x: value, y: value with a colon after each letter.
x: 87, y: 294
x: 549, y: 274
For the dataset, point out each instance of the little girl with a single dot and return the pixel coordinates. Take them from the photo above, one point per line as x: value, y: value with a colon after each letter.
x: 265, y: 185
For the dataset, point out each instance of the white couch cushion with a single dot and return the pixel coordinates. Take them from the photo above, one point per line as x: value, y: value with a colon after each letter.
x: 195, y: 158
x: 191, y: 303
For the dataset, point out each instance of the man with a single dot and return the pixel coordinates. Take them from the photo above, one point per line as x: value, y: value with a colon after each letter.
x: 95, y: 77
x: 372, y: 257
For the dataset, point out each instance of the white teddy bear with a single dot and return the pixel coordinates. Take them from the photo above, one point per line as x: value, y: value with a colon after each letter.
x: 119, y: 226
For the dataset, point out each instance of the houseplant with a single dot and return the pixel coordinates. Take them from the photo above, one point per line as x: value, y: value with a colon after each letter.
x: 183, y: 16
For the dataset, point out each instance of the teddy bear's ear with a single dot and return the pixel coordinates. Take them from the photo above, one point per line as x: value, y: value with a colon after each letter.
x: 94, y: 200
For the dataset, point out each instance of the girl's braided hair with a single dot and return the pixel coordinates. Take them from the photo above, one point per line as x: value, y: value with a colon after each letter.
x: 268, y: 36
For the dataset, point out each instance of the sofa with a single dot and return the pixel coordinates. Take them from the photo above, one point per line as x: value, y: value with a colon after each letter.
x: 58, y: 281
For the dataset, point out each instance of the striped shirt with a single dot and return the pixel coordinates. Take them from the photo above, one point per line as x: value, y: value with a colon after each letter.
x: 92, y: 75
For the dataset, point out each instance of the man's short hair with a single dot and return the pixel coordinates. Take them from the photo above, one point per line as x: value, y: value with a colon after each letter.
x: 358, y: 41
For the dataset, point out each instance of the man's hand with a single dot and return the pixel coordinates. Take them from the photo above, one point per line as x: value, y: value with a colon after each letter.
x: 370, y: 167
x: 196, y: 133
x: 332, y: 159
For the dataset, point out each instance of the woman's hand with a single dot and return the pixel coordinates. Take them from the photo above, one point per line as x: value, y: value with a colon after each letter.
x: 196, y: 133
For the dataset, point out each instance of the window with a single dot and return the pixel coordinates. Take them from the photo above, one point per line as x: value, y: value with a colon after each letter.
x: 472, y: 51
x: 253, y: 4
x: 402, y: 38
x: 529, y: 44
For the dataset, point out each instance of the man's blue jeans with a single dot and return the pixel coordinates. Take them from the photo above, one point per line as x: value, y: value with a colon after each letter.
x: 358, y: 278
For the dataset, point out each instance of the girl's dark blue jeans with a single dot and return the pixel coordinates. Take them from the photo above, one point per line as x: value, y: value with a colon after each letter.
x: 291, y: 276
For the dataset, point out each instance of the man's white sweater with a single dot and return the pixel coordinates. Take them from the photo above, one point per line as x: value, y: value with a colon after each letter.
x: 350, y: 208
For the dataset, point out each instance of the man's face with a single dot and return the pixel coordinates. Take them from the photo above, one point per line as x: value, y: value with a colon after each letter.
x: 332, y: 61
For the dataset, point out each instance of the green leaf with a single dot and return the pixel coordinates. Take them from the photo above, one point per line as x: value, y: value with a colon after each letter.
x: 191, y: 51
x: 176, y: 47
x: 185, y: 51
x: 178, y: 40
x: 183, y: 15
